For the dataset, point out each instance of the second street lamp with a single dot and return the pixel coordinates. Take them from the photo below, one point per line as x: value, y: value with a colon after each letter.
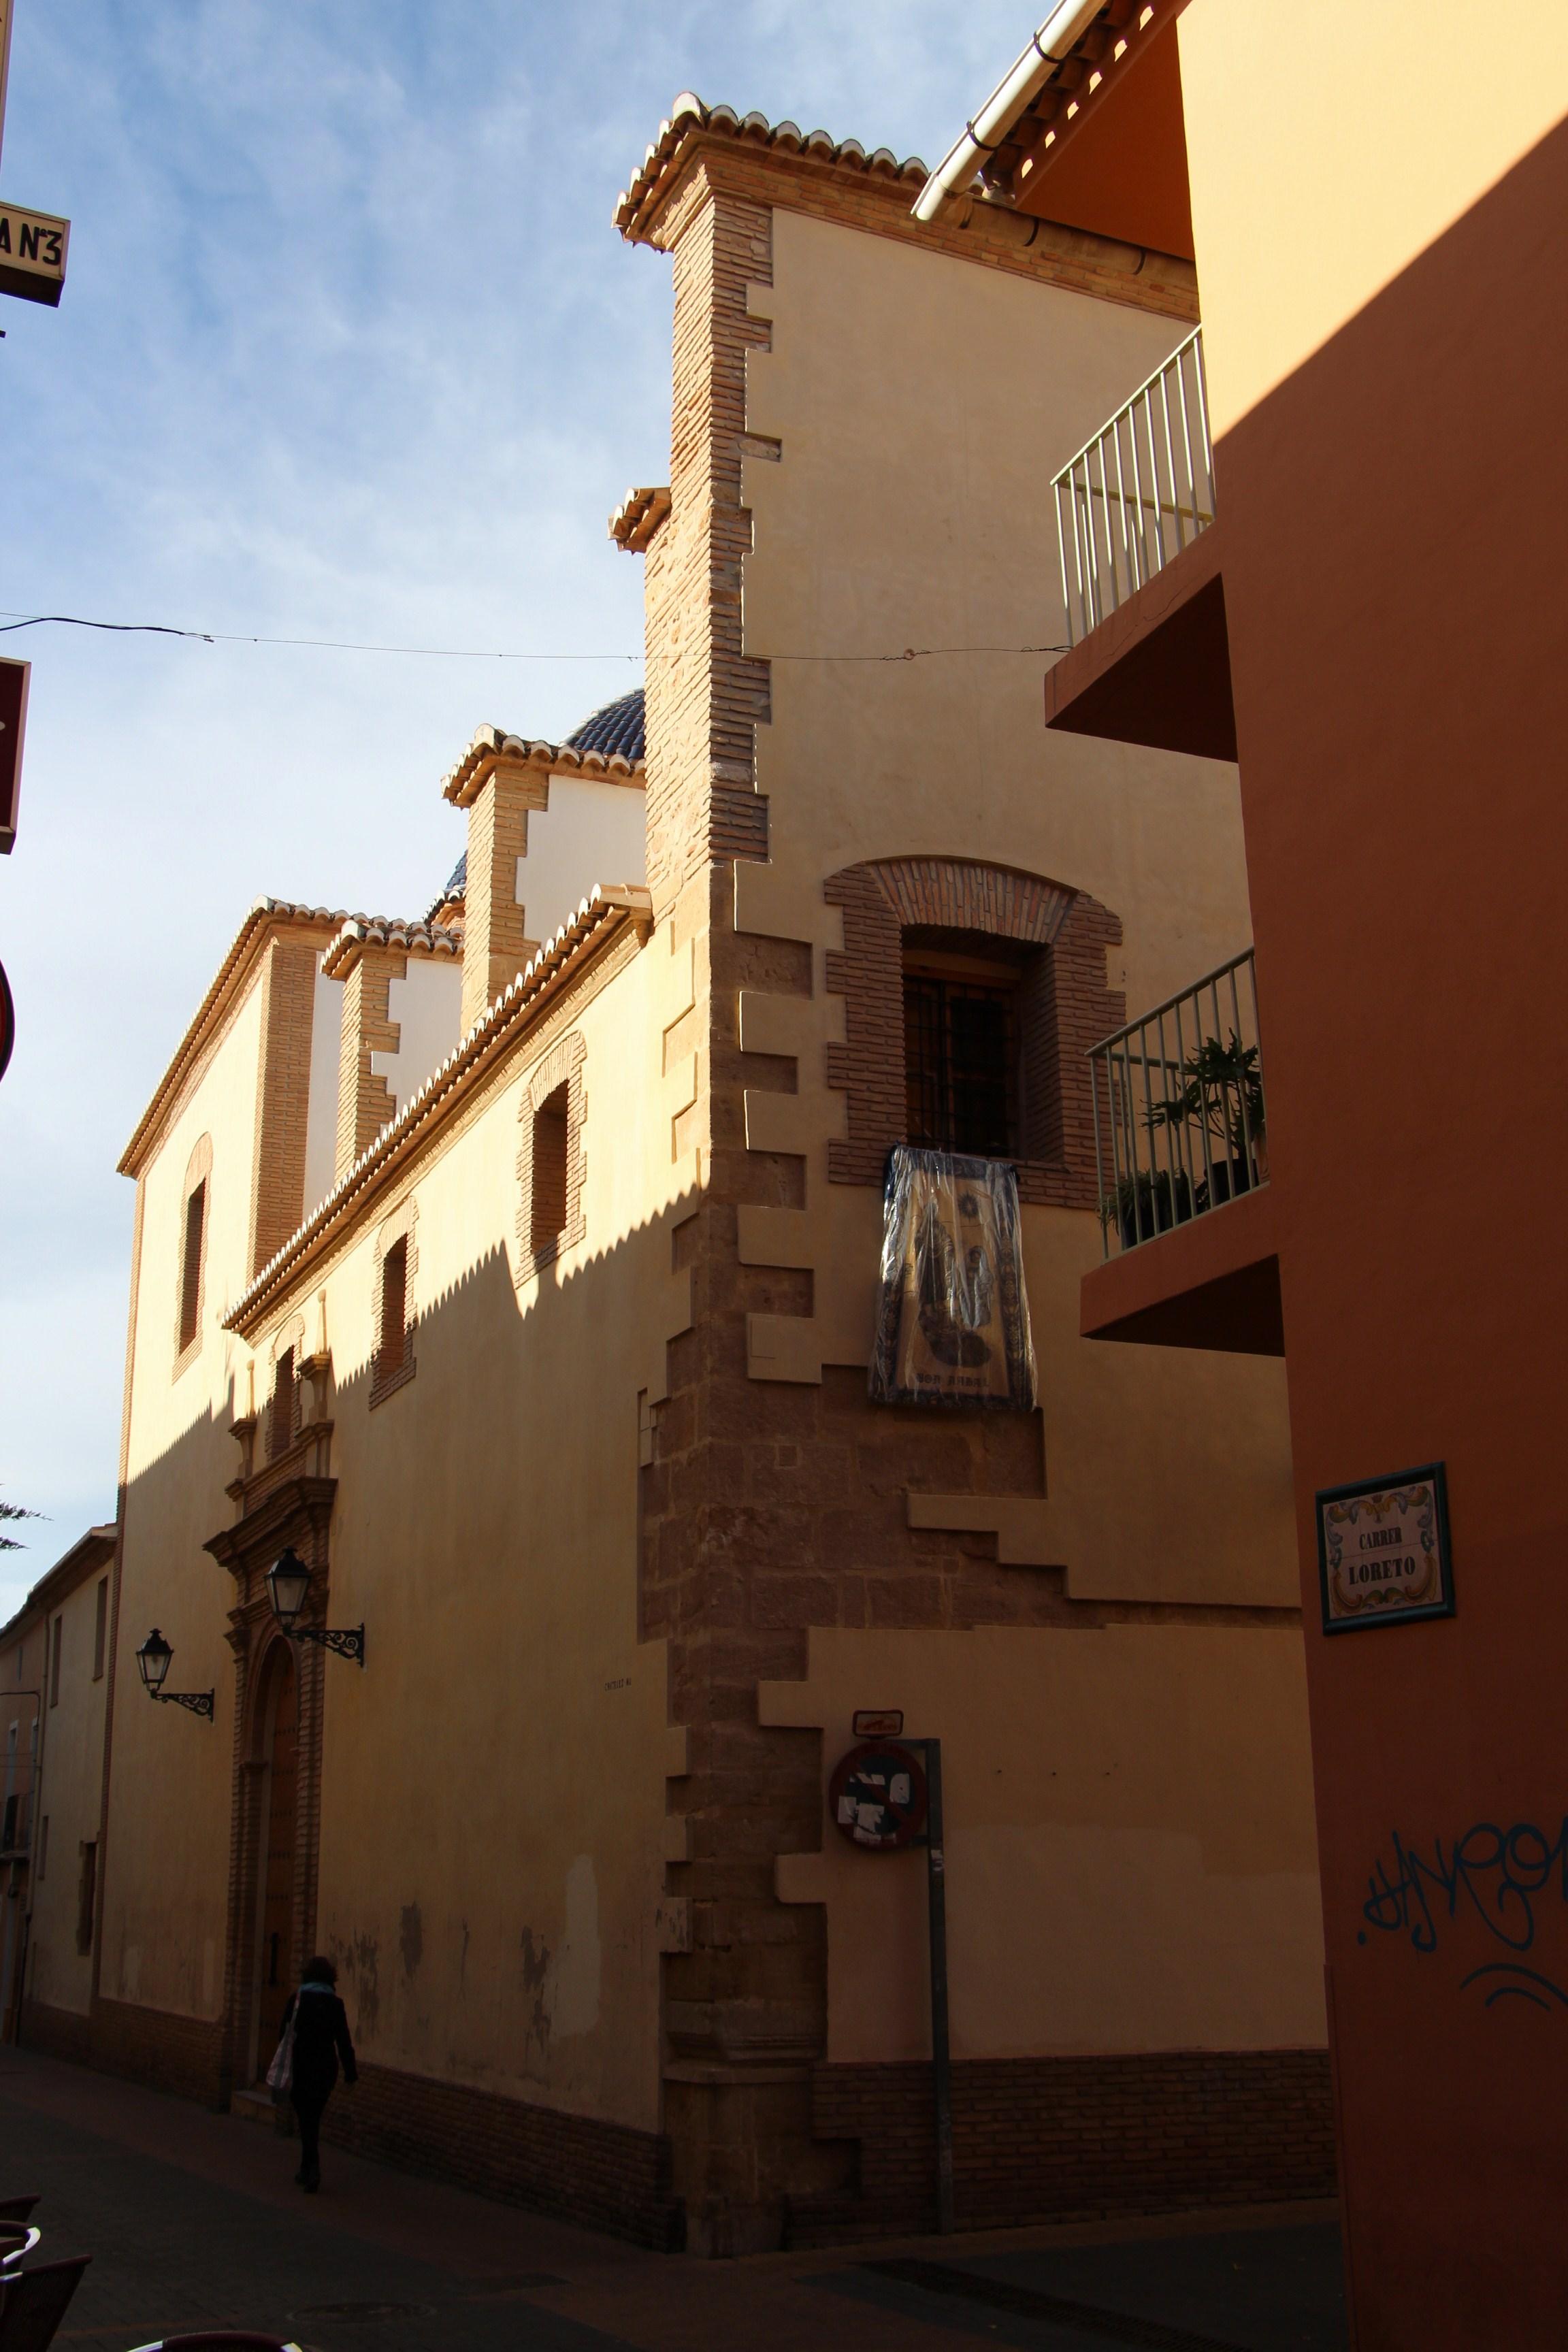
x: 288, y: 1583
x: 154, y: 1658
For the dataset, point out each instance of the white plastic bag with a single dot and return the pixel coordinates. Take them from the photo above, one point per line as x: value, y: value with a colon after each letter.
x: 281, y: 2073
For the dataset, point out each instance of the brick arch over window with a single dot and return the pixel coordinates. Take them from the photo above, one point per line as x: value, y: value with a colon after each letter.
x: 1064, y: 1008
x: 393, y: 1364
x: 561, y: 1066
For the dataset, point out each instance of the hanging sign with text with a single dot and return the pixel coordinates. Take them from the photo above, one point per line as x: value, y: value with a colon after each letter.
x: 1383, y: 1550
x: 32, y: 254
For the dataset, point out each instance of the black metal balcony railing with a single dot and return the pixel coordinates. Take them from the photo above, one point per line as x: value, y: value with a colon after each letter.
x: 1180, y: 1116
x: 1137, y: 492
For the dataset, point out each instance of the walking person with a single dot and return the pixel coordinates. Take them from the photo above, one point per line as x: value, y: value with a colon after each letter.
x: 321, y: 2038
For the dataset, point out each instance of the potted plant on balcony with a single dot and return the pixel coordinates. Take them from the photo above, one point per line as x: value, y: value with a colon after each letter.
x: 1221, y: 1097
x: 1148, y: 1202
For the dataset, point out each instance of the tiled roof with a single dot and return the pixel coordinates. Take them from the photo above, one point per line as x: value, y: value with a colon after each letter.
x: 638, y: 516
x: 456, y: 884
x: 615, y: 727
x: 604, y: 912
x: 464, y: 782
x: 362, y: 932
x: 688, y: 116
x: 610, y: 741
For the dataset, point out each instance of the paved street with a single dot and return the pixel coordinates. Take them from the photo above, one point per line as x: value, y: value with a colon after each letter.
x: 193, y: 2220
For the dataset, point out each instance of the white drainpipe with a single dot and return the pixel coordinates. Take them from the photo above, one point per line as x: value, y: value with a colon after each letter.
x: 1067, y: 24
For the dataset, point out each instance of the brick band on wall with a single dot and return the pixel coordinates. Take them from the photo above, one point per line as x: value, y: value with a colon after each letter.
x: 1064, y: 1008
x: 1044, y: 2139
x: 603, y: 2176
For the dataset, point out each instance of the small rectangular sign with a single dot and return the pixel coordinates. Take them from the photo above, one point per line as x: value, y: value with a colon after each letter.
x: 13, y: 680
x: 878, y: 1722
x: 1383, y: 1550
x: 32, y: 254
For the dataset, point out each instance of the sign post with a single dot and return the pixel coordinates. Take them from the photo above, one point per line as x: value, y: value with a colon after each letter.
x: 885, y: 1799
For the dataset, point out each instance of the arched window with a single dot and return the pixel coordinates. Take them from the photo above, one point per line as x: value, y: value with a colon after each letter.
x: 972, y: 994
x: 396, y: 1261
x: 550, y: 1160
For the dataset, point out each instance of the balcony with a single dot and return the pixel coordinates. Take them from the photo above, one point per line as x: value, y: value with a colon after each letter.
x: 1137, y: 493
x: 1182, y: 1151
x: 1136, y: 508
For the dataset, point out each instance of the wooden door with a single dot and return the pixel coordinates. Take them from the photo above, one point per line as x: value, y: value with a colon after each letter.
x: 278, y: 1959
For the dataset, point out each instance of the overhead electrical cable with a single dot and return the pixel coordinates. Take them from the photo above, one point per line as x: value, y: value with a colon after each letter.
x: 460, y: 653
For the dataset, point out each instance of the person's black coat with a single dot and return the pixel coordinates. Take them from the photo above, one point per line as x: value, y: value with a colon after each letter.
x: 321, y: 2038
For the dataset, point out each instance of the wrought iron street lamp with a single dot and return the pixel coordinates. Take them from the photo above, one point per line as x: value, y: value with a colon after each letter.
x: 153, y: 1658
x: 288, y: 1583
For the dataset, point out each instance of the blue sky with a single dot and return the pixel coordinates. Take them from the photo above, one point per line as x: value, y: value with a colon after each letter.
x: 349, y: 348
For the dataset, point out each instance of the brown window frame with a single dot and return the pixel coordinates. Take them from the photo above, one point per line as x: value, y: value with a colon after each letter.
x: 942, y: 1081
x: 550, y: 1207
x: 56, y: 1637
x: 191, y: 1265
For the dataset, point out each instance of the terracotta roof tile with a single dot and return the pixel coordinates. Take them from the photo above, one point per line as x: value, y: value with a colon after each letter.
x: 689, y: 118
x: 414, y: 938
x: 465, y: 782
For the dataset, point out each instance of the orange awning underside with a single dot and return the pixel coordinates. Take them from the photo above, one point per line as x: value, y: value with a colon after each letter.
x: 1120, y: 168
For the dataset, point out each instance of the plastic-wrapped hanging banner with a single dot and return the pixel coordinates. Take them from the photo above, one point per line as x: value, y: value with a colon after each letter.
x: 953, y: 1320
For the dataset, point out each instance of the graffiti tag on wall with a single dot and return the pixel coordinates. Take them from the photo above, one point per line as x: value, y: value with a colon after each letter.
x: 1507, y: 1879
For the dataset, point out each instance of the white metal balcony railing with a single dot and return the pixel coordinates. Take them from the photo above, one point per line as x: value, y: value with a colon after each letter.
x: 1137, y: 493
x: 1180, y: 1120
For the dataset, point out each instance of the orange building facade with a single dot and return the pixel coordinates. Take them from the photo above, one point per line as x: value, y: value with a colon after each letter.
x: 1342, y: 567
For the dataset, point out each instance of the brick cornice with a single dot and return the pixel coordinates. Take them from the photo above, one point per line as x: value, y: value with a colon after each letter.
x: 711, y: 152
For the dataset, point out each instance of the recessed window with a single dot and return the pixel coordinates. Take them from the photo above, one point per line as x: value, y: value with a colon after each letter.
x: 280, y: 1419
x: 100, y: 1629
x: 191, y: 1269
x: 393, y: 1351
x: 55, y: 1638
x: 961, y: 1047
x: 551, y: 1124
x: 86, y: 1896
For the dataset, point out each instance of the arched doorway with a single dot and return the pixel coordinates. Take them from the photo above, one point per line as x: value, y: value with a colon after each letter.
x: 279, y: 1715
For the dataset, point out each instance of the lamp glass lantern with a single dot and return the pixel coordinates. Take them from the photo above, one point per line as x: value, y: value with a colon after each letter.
x: 288, y: 1583
x: 153, y: 1658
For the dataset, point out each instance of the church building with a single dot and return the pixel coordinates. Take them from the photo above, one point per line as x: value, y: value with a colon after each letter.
x: 501, y: 1450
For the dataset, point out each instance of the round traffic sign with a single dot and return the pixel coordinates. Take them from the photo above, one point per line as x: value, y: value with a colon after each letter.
x: 877, y: 1795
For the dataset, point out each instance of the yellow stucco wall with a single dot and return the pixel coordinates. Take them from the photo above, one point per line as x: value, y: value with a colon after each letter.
x: 70, y: 1800
x: 166, y: 1876
x: 1289, y: 256
x: 1126, y: 1811
x: 1160, y: 1890
x: 493, y: 1783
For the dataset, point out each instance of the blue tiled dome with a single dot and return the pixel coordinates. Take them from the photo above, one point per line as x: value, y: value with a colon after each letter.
x: 617, y: 727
